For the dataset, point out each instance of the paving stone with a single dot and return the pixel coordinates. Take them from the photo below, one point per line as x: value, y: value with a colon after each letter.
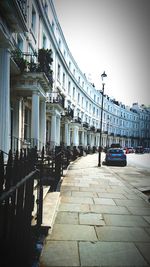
x: 65, y: 193
x: 144, y: 248
x: 73, y: 232
x: 60, y: 253
x: 147, y: 230
x: 139, y: 210
x: 74, y: 207
x: 125, y: 220
x: 111, y: 233
x: 111, y: 195
x: 91, y: 219
x: 92, y: 189
x: 132, y: 196
x: 110, y: 254
x: 84, y: 194
x: 69, y: 188
x: 132, y: 203
x: 83, y: 200
x: 97, y: 208
x: 104, y: 201
x: 147, y: 218
x: 64, y: 217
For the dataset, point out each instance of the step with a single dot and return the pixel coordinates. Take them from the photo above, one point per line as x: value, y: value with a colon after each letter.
x: 50, y: 208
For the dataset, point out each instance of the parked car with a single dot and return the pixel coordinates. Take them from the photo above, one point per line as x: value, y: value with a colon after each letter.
x: 116, y: 156
x: 130, y: 150
x: 139, y: 150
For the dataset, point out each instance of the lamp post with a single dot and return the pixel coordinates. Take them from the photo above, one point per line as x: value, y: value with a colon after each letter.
x: 103, y: 76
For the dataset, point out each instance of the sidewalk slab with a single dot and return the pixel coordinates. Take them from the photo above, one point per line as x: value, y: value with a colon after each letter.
x: 60, y: 253
x: 73, y: 232
x: 101, y: 220
x: 110, y: 254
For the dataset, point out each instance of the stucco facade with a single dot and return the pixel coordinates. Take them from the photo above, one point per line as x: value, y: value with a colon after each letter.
x: 53, y: 103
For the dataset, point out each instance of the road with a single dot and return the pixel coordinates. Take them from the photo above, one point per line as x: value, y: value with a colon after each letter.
x: 139, y: 160
x: 136, y: 173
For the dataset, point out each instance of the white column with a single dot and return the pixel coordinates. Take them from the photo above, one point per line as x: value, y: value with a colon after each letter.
x: 4, y: 99
x: 58, y: 129
x: 75, y: 136
x: 20, y: 122
x: 53, y: 130
x: 82, y: 138
x: 35, y: 118
x: 43, y: 123
x: 66, y: 137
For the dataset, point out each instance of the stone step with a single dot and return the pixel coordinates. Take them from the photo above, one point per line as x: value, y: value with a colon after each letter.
x: 50, y: 208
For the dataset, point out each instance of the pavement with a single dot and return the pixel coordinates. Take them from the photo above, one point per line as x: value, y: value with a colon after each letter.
x: 100, y: 220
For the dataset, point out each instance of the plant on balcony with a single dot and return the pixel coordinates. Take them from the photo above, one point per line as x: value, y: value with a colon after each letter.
x: 20, y: 61
x: 44, y: 62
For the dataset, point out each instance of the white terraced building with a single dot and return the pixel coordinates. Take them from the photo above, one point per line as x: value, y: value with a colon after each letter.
x: 45, y: 99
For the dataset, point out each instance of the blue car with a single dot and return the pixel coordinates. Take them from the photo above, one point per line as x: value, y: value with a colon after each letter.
x: 115, y: 156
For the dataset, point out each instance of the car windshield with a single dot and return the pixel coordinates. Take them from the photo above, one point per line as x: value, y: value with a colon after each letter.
x: 116, y: 151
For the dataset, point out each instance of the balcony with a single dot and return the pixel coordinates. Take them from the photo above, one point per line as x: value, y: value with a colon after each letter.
x: 35, y: 65
x: 92, y: 128
x: 77, y: 119
x: 69, y: 113
x: 85, y: 125
x: 56, y: 99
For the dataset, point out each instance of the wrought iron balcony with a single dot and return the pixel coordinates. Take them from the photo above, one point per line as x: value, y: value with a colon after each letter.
x: 69, y: 112
x: 35, y: 63
x: 55, y: 98
x: 77, y: 120
x: 92, y: 128
x: 85, y: 125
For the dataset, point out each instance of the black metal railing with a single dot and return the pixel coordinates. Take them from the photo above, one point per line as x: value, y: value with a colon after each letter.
x: 86, y: 124
x: 35, y: 62
x: 16, y: 206
x: 77, y: 119
x: 69, y: 112
x: 92, y: 128
x: 55, y: 98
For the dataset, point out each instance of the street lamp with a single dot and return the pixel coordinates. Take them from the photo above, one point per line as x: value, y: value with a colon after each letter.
x: 103, y: 76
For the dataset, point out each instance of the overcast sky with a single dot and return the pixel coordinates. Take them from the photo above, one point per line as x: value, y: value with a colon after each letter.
x: 110, y: 35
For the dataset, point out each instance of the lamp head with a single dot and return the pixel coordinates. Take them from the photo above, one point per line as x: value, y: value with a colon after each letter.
x: 103, y: 75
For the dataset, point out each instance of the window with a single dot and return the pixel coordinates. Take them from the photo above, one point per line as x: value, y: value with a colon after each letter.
x: 58, y: 72
x: 46, y: 7
x: 73, y: 92
x: 20, y: 43
x: 78, y: 98
x: 53, y: 26
x: 44, y: 41
x: 82, y: 101
x: 69, y: 87
x: 59, y: 43
x: 63, y: 79
x: 33, y: 21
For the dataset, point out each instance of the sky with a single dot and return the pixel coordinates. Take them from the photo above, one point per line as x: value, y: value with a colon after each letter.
x: 111, y: 36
